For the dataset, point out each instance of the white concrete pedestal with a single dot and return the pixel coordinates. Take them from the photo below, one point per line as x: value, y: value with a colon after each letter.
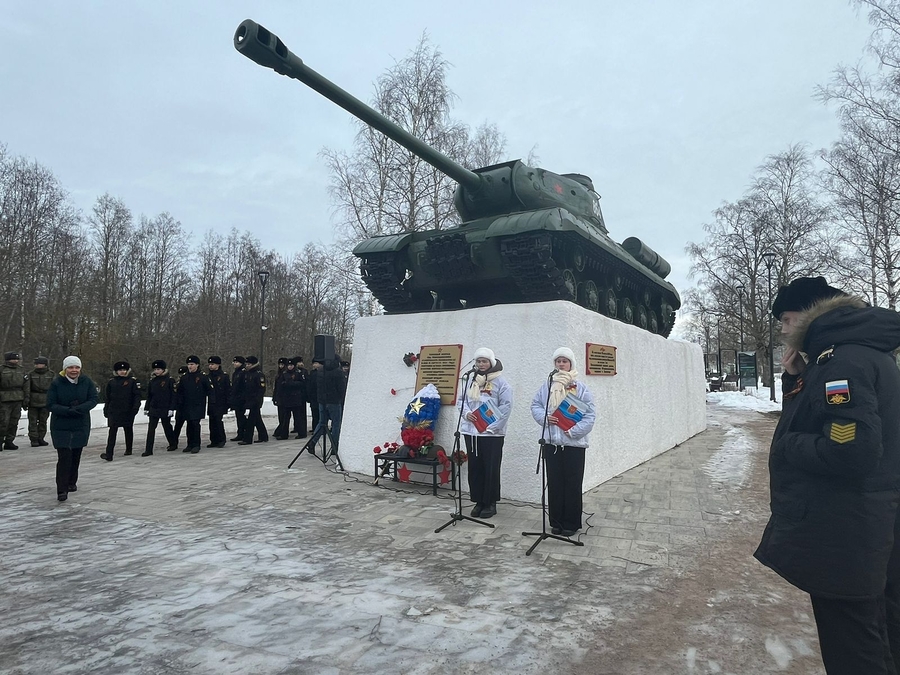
x: 656, y: 400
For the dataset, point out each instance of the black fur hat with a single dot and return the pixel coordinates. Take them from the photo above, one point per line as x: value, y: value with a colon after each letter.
x: 41, y: 360
x: 193, y: 358
x: 239, y: 359
x: 182, y: 370
x: 802, y: 293
x: 297, y: 359
x: 159, y: 363
x: 283, y: 361
x: 121, y: 365
x: 9, y: 356
x: 214, y: 359
x: 252, y: 359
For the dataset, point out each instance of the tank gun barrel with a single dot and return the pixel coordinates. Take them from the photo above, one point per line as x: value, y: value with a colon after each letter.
x: 265, y: 48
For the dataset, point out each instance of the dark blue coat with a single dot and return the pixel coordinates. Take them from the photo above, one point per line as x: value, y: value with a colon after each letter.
x: 194, y: 389
x: 70, y: 411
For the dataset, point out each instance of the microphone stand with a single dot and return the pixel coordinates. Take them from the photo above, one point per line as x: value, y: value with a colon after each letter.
x: 455, y: 475
x: 542, y: 468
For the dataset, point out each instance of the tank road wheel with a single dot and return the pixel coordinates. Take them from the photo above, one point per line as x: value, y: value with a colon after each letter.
x: 590, y: 296
x: 626, y: 310
x: 609, y: 304
x: 571, y: 283
x: 643, y: 319
x: 653, y: 321
x: 578, y: 259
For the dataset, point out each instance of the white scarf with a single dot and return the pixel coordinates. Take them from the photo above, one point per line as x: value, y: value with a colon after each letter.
x: 481, y: 382
x: 561, y: 382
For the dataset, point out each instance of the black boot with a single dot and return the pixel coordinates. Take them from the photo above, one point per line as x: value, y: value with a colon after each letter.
x: 147, y: 453
x: 103, y: 455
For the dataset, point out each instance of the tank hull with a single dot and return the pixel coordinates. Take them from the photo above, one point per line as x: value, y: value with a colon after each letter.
x: 533, y: 256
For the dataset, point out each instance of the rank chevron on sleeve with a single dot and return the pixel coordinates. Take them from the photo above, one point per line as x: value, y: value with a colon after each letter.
x: 843, y: 433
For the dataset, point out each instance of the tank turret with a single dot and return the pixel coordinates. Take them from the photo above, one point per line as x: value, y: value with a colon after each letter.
x: 526, y: 234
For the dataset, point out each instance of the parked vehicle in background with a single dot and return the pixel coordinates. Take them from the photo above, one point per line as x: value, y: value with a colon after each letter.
x: 714, y: 382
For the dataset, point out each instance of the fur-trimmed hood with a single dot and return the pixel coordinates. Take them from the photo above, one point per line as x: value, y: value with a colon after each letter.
x: 845, y: 319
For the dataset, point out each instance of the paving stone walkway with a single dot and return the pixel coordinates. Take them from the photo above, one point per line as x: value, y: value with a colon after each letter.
x: 227, y: 562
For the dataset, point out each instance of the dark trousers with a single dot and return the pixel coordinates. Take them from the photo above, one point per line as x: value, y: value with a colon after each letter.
x: 216, y: 429
x: 485, y: 456
x: 853, y: 636
x: 240, y: 416
x: 166, y: 422
x: 284, y: 421
x: 314, y: 414
x: 193, y: 433
x: 565, y: 474
x: 67, y: 465
x: 299, y: 414
x: 113, y: 436
x: 9, y: 420
x: 255, y: 423
x: 37, y: 423
x: 176, y: 432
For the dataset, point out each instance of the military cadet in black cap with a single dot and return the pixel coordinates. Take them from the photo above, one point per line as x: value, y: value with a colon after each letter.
x: 300, y: 419
x: 834, y: 469
x: 39, y: 380
x: 312, y: 390
x: 160, y: 406
x: 255, y: 390
x: 123, y: 400
x: 14, y: 395
x: 193, y: 394
x: 179, y: 413
x: 218, y: 406
x: 281, y: 431
x: 236, y: 401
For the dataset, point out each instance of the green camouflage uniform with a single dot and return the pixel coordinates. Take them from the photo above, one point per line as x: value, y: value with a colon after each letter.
x: 14, y: 395
x: 40, y: 380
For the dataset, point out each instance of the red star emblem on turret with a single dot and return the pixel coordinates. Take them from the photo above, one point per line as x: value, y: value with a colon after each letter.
x: 403, y: 473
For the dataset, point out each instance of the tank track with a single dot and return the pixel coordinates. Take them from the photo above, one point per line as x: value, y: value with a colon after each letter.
x: 538, y: 265
x: 379, y: 273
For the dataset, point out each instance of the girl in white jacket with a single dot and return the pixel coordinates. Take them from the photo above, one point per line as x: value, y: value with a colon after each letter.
x: 485, y: 445
x: 564, y: 449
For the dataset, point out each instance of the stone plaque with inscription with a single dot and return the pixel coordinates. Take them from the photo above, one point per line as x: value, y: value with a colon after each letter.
x: 600, y: 359
x: 439, y: 365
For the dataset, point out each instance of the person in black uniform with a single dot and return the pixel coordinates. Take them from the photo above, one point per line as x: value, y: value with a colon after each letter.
x: 255, y: 390
x: 236, y: 401
x: 834, y: 469
x: 300, y: 423
x: 179, y: 413
x: 284, y: 417
x: 123, y: 400
x: 218, y: 405
x: 159, y: 406
x: 291, y: 397
x: 194, y: 390
x: 312, y: 391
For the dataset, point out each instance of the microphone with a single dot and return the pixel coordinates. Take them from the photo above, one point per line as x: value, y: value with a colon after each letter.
x: 553, y: 372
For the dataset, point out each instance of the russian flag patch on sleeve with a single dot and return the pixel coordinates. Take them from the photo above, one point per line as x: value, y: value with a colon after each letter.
x: 837, y: 392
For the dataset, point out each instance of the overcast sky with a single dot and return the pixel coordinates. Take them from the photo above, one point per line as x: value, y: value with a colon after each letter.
x: 668, y: 106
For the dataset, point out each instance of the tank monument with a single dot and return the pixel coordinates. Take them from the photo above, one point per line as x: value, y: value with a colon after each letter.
x: 530, y: 267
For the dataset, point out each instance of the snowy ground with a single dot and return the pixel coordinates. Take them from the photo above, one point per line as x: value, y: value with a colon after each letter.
x: 228, y: 562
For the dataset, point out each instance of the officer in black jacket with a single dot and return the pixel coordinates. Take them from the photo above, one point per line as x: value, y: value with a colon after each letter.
x: 194, y: 391
x: 236, y: 401
x: 281, y: 431
x: 123, y: 400
x: 160, y: 406
x: 291, y: 398
x: 312, y: 391
x: 218, y: 406
x: 834, y: 466
x: 255, y: 390
x: 301, y: 424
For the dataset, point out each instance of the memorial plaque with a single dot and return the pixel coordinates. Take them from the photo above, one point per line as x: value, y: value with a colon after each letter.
x: 600, y: 359
x: 439, y: 365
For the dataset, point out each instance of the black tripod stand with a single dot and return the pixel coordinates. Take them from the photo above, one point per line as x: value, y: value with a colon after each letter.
x: 542, y: 469
x: 455, y: 477
x: 324, y: 433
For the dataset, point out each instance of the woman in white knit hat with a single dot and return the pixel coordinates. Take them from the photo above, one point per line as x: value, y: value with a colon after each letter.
x: 70, y: 399
x: 565, y: 444
x: 484, y: 438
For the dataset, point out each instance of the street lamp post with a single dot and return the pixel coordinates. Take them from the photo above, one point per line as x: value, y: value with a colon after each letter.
x: 263, y: 279
x: 719, y: 347
x: 769, y: 259
x: 737, y: 357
